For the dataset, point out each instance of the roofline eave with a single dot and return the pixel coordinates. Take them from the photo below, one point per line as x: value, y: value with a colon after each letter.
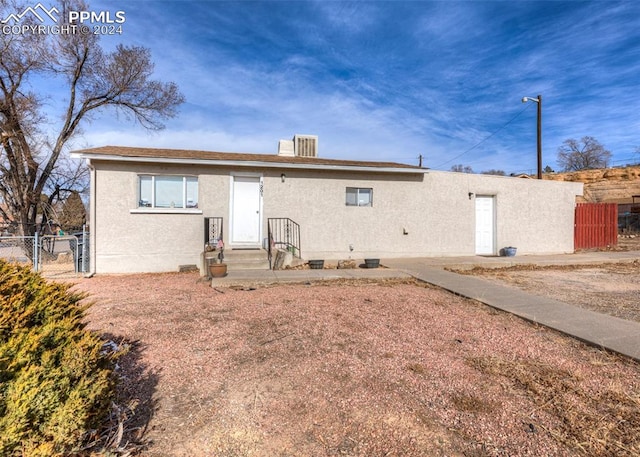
x: 248, y: 163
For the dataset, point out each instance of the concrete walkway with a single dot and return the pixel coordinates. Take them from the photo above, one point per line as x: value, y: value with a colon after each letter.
x: 462, y: 263
x: 611, y: 333
x: 246, y: 277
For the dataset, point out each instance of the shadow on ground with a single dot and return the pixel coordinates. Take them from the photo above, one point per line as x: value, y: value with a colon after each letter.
x: 135, y: 404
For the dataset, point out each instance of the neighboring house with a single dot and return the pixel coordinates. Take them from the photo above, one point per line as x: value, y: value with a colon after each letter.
x: 148, y: 207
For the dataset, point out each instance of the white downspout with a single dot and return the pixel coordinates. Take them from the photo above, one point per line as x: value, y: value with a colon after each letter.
x: 92, y: 221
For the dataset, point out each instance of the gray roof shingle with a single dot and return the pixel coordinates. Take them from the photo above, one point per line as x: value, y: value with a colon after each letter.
x: 184, y: 154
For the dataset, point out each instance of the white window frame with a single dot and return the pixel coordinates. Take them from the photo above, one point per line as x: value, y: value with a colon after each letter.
x: 357, y: 192
x: 152, y: 208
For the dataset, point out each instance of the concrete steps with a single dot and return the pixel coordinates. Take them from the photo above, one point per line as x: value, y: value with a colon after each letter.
x: 246, y: 259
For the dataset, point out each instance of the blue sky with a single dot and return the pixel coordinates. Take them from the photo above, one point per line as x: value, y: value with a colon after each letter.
x: 389, y: 81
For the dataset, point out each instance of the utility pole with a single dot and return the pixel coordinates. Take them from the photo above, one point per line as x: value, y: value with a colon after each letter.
x: 539, y: 102
x: 539, y: 136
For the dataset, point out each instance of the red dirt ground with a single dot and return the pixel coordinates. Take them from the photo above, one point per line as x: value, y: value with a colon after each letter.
x: 355, y: 368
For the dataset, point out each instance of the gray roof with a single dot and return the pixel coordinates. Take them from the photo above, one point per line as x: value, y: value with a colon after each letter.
x: 125, y: 153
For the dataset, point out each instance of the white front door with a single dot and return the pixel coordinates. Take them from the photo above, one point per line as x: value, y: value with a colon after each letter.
x: 245, y: 211
x: 485, y: 225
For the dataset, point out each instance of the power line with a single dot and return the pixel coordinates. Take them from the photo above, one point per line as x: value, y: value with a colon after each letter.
x: 485, y: 139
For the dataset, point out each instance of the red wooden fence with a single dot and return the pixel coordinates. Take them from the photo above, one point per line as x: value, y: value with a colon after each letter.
x: 596, y: 225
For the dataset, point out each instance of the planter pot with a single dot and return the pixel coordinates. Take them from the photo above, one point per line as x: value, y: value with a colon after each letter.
x: 218, y: 270
x: 509, y: 251
x: 316, y: 264
x: 372, y: 263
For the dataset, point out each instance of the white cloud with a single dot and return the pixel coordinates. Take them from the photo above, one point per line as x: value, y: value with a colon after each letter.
x: 390, y: 81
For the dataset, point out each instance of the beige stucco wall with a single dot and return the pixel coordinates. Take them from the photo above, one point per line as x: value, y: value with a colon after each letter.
x: 412, y: 215
x: 127, y: 241
x: 535, y: 216
x: 434, y: 210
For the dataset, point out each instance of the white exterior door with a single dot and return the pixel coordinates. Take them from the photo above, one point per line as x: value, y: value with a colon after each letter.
x: 485, y: 225
x: 245, y: 211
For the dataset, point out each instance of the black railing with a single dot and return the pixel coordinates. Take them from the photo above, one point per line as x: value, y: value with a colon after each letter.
x: 214, y: 235
x: 283, y: 233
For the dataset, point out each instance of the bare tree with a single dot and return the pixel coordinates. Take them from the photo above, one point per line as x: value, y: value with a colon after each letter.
x: 585, y: 154
x: 33, y: 143
x: 494, y: 172
x: 68, y: 178
x: 459, y: 168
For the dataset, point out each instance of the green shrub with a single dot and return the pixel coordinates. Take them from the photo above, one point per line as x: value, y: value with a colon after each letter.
x: 56, y: 382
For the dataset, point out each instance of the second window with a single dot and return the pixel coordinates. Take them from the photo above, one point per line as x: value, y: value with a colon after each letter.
x: 359, y: 196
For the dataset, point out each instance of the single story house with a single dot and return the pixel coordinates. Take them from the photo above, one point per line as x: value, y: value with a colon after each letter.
x: 149, y: 207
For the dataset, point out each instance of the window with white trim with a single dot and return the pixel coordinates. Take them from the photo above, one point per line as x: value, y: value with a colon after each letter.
x: 162, y: 191
x: 358, y: 196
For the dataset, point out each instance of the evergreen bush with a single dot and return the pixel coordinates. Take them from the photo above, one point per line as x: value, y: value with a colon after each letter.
x: 56, y: 382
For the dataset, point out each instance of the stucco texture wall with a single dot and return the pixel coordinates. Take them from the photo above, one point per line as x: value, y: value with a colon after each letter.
x: 127, y: 240
x: 412, y: 215
x: 535, y: 216
x: 317, y: 201
x: 421, y: 215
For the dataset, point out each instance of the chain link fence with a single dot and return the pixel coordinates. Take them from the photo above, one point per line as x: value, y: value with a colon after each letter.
x: 18, y: 249
x: 51, y: 255
x: 629, y: 223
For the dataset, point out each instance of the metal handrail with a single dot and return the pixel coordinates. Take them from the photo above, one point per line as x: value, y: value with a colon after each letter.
x: 214, y: 235
x: 283, y: 233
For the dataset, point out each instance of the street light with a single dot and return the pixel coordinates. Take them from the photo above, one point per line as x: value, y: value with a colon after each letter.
x: 539, y: 102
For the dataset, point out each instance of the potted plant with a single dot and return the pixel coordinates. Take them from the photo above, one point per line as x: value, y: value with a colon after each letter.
x: 217, y: 268
x: 372, y: 263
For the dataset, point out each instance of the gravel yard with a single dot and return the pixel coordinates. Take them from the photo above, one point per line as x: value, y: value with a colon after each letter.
x: 608, y: 288
x: 355, y: 368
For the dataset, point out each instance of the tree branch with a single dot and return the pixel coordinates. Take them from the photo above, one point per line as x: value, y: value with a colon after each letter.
x: 95, y: 81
